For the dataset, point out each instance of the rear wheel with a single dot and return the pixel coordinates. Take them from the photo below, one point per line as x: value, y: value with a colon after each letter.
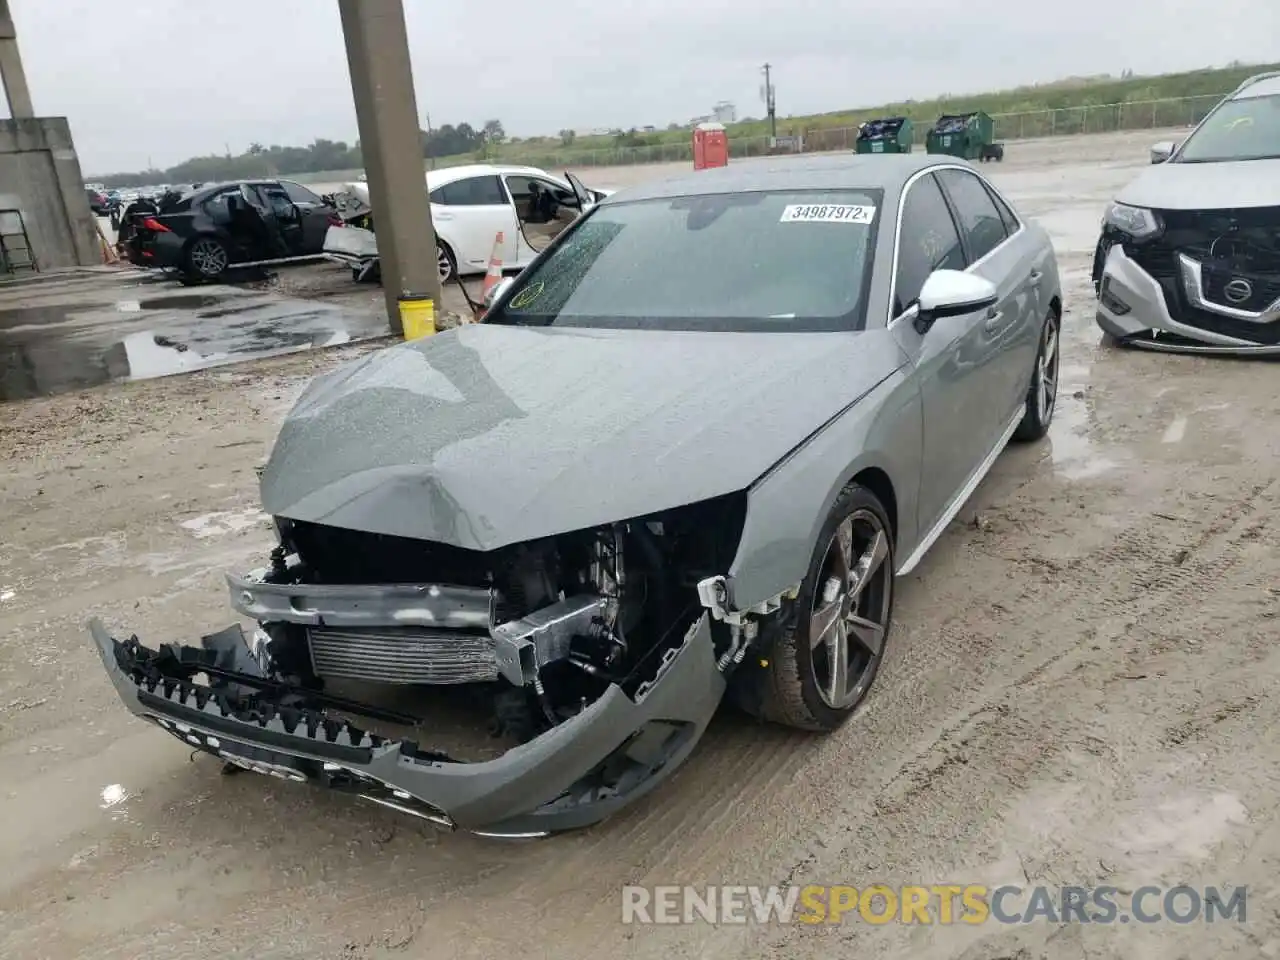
x: 1042, y: 395
x: 822, y: 668
x: 207, y: 258
x: 446, y: 263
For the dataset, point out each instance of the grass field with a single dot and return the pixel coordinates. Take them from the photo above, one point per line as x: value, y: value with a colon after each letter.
x: 1077, y: 105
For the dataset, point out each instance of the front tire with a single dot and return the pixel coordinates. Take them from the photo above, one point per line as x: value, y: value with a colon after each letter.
x: 1042, y: 395
x: 821, y: 668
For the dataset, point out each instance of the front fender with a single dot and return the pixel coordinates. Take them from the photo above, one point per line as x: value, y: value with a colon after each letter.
x: 787, y: 506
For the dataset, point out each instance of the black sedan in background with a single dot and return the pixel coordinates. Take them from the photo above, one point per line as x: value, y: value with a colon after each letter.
x: 239, y: 224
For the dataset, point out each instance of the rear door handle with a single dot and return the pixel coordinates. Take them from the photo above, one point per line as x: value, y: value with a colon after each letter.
x: 994, y: 317
x: 1035, y: 277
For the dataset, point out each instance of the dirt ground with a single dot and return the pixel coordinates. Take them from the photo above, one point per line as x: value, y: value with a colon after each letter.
x: 1081, y: 689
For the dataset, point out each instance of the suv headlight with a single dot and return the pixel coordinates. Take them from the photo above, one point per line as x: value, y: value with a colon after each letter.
x: 1138, y: 222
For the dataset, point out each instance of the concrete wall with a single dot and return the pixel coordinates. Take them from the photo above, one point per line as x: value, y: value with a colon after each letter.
x: 40, y: 175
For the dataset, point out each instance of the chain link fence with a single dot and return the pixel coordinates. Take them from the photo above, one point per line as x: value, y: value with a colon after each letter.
x: 1068, y: 121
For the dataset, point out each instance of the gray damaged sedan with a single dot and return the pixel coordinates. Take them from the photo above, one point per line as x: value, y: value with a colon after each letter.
x: 685, y: 455
x: 1189, y: 255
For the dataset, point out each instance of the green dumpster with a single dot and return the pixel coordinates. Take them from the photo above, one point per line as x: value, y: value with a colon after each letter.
x: 967, y: 135
x: 888, y: 135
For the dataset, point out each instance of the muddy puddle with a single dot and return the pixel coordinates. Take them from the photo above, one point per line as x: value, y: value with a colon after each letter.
x: 55, y: 340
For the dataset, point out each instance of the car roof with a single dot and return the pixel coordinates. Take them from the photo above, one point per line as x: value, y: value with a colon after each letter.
x: 1264, y: 85
x: 438, y: 178
x: 888, y: 172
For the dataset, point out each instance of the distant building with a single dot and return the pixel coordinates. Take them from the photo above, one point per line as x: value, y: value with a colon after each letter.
x: 592, y: 132
x: 724, y: 112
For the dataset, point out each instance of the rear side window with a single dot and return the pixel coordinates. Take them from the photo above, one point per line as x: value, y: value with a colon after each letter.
x: 980, y: 221
x: 929, y: 242
x: 471, y: 192
x: 1011, y: 222
x: 217, y: 208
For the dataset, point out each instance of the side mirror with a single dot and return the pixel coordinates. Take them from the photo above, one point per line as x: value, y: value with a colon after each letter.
x: 497, y: 290
x: 1162, y: 151
x: 952, y: 293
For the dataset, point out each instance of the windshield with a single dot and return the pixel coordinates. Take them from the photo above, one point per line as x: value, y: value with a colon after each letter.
x: 770, y: 260
x: 1244, y: 129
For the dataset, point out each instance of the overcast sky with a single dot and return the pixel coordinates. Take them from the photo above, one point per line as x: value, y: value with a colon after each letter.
x: 168, y: 79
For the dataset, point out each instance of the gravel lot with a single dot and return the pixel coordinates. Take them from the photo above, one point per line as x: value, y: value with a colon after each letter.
x: 1082, y: 689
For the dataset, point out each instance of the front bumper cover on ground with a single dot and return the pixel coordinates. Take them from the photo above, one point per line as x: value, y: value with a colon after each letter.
x: 575, y: 774
x: 1132, y: 305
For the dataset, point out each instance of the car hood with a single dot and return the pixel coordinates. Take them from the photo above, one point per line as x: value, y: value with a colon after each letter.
x: 485, y: 436
x: 1206, y: 186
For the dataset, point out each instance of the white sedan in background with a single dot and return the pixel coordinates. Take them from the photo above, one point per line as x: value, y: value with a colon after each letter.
x: 470, y: 205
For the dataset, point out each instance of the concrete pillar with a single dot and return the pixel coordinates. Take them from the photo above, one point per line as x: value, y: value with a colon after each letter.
x: 387, y: 113
x: 11, y: 73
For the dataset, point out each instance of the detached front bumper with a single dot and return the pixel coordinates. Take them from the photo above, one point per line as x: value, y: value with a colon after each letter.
x: 575, y: 774
x: 1132, y: 306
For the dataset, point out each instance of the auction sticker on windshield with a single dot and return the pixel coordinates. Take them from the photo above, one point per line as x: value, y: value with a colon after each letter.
x: 827, y: 213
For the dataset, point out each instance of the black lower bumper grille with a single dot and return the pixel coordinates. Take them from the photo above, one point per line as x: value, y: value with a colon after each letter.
x: 1227, y: 252
x: 1264, y: 288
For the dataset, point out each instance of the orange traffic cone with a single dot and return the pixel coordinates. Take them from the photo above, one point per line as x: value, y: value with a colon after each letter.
x: 493, y: 275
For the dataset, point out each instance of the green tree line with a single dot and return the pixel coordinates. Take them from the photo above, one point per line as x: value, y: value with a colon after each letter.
x: 321, y: 156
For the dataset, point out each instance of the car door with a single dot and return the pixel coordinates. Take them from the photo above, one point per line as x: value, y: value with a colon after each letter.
x: 518, y: 185
x: 469, y: 213
x: 945, y: 356
x: 317, y: 216
x: 1006, y: 352
x: 285, y: 218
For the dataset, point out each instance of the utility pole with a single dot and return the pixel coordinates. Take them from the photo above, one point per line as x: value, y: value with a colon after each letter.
x: 391, y: 142
x: 769, y: 102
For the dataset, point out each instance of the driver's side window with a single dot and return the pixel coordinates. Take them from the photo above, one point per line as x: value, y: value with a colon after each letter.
x: 929, y: 242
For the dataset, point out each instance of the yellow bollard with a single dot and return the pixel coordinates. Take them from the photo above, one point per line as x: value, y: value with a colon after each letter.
x: 417, y: 317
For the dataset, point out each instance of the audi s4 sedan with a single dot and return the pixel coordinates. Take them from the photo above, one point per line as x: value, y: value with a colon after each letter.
x: 685, y: 456
x: 1189, y: 256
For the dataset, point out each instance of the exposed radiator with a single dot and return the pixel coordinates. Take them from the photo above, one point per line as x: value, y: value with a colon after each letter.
x: 402, y: 655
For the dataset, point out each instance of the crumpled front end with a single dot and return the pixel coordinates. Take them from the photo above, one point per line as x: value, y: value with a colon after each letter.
x: 1205, y: 282
x: 216, y: 698
x: 523, y: 690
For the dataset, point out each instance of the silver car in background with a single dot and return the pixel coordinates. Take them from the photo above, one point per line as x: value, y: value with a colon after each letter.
x: 1189, y: 256
x: 686, y: 454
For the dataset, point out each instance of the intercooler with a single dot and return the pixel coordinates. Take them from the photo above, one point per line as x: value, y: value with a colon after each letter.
x: 402, y: 655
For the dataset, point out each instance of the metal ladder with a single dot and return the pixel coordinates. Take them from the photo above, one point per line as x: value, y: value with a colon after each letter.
x: 15, y: 244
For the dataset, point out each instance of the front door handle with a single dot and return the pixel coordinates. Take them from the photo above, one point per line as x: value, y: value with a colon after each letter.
x: 1035, y: 277
x: 994, y: 317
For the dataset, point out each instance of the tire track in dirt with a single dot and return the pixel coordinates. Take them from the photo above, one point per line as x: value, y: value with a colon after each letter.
x: 1161, y: 582
x: 998, y: 730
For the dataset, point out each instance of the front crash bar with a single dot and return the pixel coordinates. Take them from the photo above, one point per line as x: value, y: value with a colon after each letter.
x: 575, y: 774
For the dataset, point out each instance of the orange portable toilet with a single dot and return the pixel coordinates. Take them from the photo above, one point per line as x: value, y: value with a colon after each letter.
x: 710, y: 146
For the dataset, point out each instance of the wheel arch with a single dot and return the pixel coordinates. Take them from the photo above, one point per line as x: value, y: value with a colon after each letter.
x: 878, y: 481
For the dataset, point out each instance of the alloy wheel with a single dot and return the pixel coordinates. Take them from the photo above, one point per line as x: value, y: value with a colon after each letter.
x: 208, y: 257
x: 851, y: 608
x: 443, y: 265
x: 1047, y: 372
